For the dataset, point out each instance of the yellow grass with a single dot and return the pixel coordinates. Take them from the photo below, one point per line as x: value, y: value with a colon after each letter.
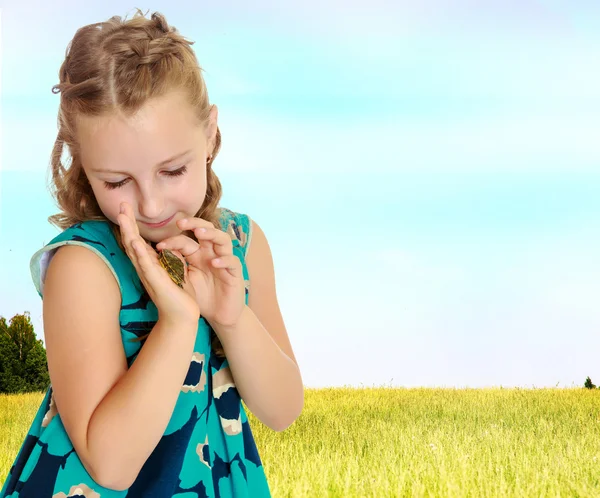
x: 385, y: 442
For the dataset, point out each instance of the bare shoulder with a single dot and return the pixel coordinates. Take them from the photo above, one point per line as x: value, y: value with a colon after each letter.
x: 77, y: 276
x: 262, y: 297
x: 258, y: 251
x: 81, y: 306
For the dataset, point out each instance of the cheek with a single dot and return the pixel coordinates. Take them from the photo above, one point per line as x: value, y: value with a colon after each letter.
x: 109, y: 202
x: 193, y: 190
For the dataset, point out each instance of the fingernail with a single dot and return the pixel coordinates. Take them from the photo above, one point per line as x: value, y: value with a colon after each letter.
x: 184, y: 220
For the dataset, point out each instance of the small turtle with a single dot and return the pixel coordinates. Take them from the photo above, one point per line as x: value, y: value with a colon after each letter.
x: 173, y: 265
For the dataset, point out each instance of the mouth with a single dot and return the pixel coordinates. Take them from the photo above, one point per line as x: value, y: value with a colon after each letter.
x: 159, y: 224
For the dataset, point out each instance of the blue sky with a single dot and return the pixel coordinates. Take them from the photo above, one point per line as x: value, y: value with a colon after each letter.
x: 427, y: 176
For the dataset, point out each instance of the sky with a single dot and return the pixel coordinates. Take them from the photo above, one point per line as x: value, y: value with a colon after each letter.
x: 427, y: 175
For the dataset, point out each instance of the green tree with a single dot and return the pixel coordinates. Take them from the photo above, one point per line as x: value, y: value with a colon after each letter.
x: 21, y: 332
x: 589, y: 384
x: 23, y: 363
x: 36, y: 368
x: 10, y: 382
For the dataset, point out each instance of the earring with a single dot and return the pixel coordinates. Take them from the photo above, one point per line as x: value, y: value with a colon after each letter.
x: 209, y: 159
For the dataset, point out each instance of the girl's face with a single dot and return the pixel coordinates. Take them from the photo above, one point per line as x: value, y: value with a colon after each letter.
x: 155, y: 161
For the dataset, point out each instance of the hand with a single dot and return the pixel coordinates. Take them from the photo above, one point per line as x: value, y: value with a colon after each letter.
x: 214, y: 271
x: 173, y: 303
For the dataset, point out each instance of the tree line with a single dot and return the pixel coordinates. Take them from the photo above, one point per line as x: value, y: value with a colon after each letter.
x: 23, y: 363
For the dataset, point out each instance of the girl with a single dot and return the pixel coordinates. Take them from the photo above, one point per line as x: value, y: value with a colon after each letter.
x: 148, y: 373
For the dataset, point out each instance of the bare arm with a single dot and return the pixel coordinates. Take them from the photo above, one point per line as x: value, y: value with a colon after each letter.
x: 258, y: 348
x: 114, y: 417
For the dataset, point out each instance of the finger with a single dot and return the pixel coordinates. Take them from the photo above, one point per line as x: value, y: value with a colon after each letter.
x: 130, y: 234
x: 190, y: 224
x: 194, y: 222
x: 230, y: 264
x: 127, y: 212
x: 189, y: 249
x: 128, y: 245
x: 146, y: 268
x: 127, y: 223
x: 222, y: 245
x: 126, y: 235
x: 182, y: 243
x: 131, y: 216
x: 152, y: 252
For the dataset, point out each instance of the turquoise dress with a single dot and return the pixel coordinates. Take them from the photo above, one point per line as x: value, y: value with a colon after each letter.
x: 207, y: 449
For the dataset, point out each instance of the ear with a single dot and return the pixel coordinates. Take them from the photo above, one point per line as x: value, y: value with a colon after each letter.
x: 211, y: 128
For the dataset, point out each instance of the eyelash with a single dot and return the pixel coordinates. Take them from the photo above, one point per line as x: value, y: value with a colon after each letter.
x: 115, y: 185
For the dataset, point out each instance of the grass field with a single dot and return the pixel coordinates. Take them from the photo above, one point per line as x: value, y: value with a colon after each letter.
x: 386, y: 442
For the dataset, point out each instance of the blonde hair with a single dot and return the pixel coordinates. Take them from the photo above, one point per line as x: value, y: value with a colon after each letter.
x: 116, y: 67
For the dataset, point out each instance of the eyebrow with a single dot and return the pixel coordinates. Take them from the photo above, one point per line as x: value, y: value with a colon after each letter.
x: 162, y: 163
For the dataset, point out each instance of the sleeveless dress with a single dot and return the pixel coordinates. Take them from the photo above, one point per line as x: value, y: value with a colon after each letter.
x: 207, y: 449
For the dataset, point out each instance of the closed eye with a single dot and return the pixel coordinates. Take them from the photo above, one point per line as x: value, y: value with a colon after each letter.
x: 177, y: 172
x: 111, y: 185
x: 174, y: 173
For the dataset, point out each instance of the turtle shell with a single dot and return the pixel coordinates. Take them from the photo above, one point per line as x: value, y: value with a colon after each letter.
x: 173, y: 265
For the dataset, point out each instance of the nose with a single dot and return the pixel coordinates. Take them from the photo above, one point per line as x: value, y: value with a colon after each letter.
x: 151, y: 204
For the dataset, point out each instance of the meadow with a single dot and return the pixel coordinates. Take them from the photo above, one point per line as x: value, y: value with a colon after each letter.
x: 417, y: 442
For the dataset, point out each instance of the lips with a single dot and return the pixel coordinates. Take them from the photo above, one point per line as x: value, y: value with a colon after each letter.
x: 159, y: 224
